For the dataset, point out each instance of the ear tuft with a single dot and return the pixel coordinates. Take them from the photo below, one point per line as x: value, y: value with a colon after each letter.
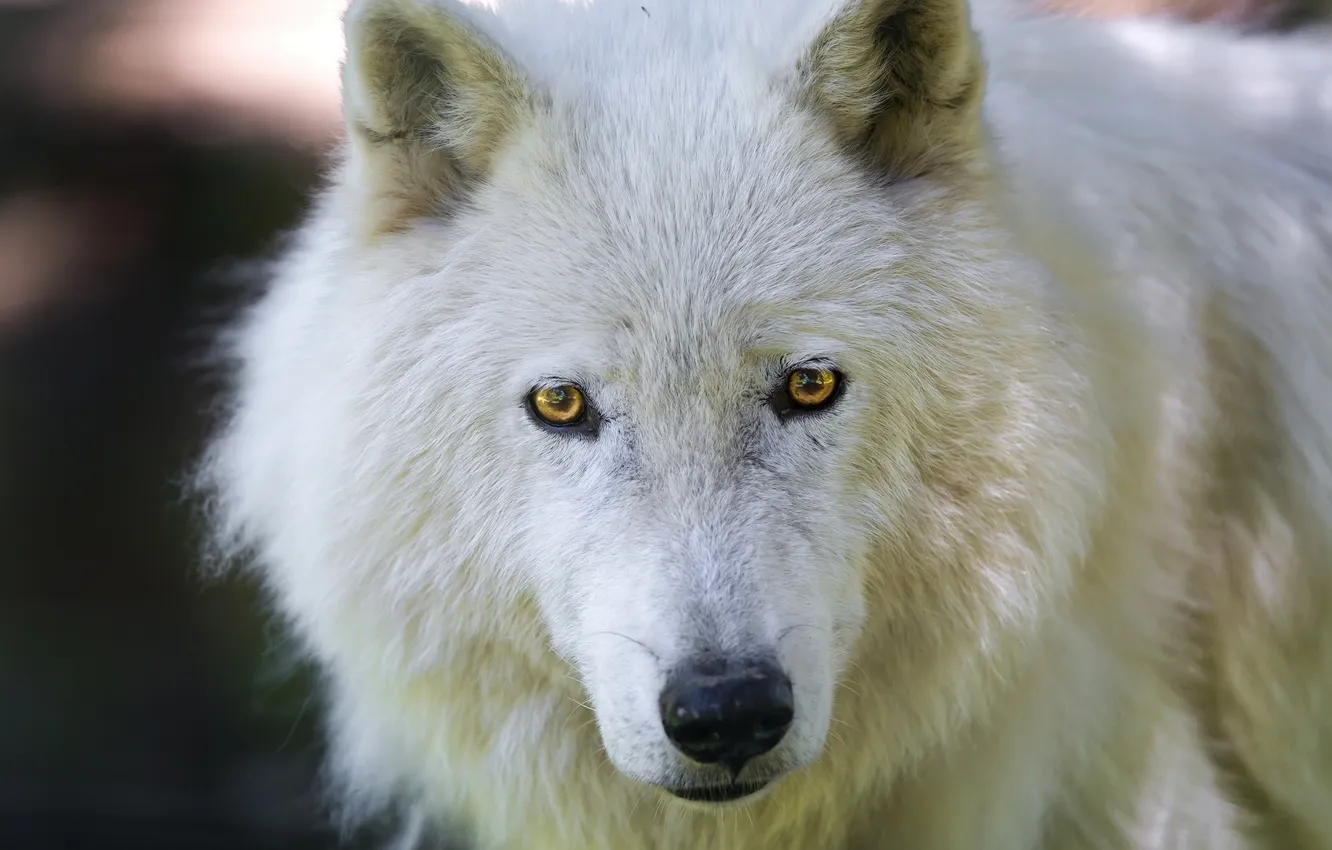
x: 428, y: 101
x: 901, y: 81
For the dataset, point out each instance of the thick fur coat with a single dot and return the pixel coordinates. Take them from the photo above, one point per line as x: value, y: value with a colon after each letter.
x: 1052, y: 571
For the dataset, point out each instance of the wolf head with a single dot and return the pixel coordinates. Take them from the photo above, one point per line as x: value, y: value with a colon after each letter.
x: 658, y: 360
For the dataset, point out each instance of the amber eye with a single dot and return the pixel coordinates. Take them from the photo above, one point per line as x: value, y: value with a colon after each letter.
x: 560, y: 406
x: 811, y: 389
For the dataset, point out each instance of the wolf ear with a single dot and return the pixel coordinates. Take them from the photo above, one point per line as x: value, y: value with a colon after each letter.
x: 901, y: 81
x: 428, y: 101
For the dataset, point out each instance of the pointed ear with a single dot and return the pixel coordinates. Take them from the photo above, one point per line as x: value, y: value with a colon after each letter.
x: 428, y: 101
x: 901, y: 81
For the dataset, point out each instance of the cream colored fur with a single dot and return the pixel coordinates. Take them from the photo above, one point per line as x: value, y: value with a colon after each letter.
x: 1054, y: 574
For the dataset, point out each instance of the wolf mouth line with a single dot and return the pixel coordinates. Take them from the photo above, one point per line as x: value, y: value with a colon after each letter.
x: 718, y: 793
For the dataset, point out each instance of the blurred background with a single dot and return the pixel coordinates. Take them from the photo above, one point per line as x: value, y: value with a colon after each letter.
x: 149, y: 149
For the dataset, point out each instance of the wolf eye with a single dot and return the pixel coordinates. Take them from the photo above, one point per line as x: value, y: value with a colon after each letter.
x: 806, y: 390
x: 560, y: 407
x: 810, y: 388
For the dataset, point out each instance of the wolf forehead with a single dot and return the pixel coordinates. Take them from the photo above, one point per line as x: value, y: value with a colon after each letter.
x: 647, y: 209
x: 603, y: 261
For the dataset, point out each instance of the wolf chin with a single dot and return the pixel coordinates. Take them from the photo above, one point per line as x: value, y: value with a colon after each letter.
x: 876, y: 424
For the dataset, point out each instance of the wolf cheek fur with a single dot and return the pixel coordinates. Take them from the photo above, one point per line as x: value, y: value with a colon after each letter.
x: 1047, y: 572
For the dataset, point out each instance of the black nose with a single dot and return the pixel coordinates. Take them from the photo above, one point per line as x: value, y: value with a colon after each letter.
x: 728, y: 713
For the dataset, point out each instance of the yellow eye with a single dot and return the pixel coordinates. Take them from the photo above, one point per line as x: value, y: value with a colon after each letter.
x: 560, y: 406
x: 811, y: 389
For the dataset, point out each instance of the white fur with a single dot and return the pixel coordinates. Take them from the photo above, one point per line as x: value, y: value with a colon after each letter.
x: 1054, y: 573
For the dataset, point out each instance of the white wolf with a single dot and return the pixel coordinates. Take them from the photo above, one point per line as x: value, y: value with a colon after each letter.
x: 744, y: 425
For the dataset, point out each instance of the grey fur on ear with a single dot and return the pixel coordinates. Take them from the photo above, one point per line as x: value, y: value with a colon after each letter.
x: 901, y: 81
x: 428, y: 101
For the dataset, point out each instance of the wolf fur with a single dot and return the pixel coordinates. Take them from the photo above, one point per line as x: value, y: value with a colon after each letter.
x: 1056, y: 570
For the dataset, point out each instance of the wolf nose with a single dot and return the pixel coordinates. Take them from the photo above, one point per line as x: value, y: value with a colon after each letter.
x: 727, y: 713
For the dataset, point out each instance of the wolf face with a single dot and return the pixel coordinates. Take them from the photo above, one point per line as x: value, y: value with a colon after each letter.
x: 693, y: 362
x: 636, y: 346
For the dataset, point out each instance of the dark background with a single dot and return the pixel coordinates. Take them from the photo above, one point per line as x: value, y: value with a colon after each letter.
x: 147, y: 149
x: 141, y: 706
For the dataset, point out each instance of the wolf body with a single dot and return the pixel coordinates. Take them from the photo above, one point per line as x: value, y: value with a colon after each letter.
x: 1050, y: 568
